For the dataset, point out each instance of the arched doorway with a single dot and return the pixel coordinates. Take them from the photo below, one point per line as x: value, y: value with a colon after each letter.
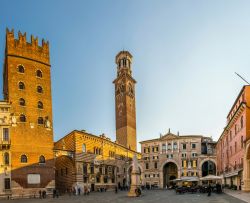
x: 246, y: 168
x: 248, y: 162
x: 170, y: 172
x: 208, y: 168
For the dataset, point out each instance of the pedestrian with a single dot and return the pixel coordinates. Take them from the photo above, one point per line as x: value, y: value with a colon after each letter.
x: 57, y: 193
x: 79, y: 191
x: 54, y: 193
x: 40, y: 194
x: 116, y: 189
x: 209, y: 190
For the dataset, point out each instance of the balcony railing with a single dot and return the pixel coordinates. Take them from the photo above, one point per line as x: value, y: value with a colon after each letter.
x: 4, y: 142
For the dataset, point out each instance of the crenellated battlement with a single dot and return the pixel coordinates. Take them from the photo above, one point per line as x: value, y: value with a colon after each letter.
x: 21, y: 48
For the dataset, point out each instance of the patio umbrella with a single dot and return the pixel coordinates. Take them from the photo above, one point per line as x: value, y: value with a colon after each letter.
x: 177, y: 180
x: 211, y: 177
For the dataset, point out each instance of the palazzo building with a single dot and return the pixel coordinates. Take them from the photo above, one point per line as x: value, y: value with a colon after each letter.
x: 233, y: 156
x: 174, y: 156
x: 27, y: 87
x: 87, y: 160
x: 5, y: 153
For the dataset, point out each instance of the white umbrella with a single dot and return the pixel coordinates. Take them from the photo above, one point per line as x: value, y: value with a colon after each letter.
x: 177, y: 180
x: 211, y: 177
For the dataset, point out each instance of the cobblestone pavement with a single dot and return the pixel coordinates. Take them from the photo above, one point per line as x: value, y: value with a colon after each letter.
x: 153, y: 196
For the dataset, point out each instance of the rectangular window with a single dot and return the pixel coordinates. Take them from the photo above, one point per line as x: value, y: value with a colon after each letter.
x: 184, y: 146
x: 5, y: 134
x: 163, y: 148
x: 193, y: 146
x: 147, y: 166
x: 92, y: 169
x: 85, y: 169
x: 155, y: 165
x: 6, y: 183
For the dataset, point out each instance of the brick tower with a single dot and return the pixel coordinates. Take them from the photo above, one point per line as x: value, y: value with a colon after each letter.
x: 27, y: 86
x: 125, y: 101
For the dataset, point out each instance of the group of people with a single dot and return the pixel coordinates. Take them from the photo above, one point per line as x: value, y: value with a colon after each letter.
x: 210, y: 189
x: 78, y: 191
x: 42, y: 194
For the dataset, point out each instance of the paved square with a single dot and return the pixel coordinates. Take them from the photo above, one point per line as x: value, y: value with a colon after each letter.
x: 154, y: 196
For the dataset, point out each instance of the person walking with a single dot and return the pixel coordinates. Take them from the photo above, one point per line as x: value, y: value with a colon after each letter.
x: 209, y: 190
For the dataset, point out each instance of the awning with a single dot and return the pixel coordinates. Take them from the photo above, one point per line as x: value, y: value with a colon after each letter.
x: 235, y: 173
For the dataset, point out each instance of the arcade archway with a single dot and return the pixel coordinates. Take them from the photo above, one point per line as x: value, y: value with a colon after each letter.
x: 208, y: 168
x: 170, y: 172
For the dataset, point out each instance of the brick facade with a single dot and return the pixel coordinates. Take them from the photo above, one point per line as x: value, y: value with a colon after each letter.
x: 87, y: 160
x: 125, y: 101
x: 27, y: 82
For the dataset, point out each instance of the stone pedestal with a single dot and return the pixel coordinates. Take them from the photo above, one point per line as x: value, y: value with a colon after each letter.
x: 135, y: 178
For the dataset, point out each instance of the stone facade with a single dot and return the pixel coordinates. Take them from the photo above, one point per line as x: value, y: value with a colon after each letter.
x: 5, y: 154
x: 87, y: 160
x: 231, y: 147
x: 125, y: 101
x: 27, y: 86
x: 173, y: 156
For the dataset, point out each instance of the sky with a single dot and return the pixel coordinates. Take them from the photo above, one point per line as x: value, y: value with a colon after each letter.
x: 185, y: 55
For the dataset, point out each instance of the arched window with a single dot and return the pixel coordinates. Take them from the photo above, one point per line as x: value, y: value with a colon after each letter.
x: 20, y: 69
x: 21, y: 85
x: 40, y: 120
x: 235, y: 129
x: 22, y: 118
x: 40, y: 105
x: 24, y: 159
x: 21, y: 102
x: 6, y: 158
x: 241, y: 122
x: 41, y: 160
x: 39, y: 74
x: 39, y: 89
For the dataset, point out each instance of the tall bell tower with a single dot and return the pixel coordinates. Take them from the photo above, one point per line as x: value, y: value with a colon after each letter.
x: 125, y: 101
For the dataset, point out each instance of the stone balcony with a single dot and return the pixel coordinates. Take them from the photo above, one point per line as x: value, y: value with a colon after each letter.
x: 5, y: 144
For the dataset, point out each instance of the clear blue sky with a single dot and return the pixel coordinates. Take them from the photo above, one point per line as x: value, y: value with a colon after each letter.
x: 185, y: 55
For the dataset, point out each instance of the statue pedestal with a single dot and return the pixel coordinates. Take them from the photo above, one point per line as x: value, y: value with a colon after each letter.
x: 135, y: 178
